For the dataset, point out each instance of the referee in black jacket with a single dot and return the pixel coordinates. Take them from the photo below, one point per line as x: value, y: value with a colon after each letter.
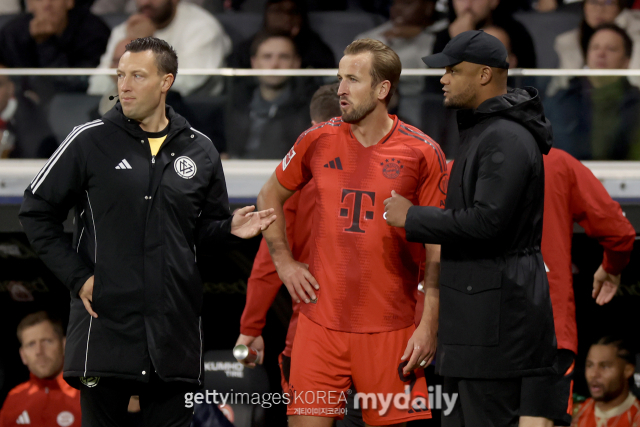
x: 496, y: 338
x: 148, y: 189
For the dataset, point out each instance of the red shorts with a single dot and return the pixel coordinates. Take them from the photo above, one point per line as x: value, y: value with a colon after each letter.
x: 325, y: 363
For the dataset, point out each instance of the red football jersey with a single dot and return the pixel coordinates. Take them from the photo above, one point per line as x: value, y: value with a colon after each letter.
x: 43, y: 403
x: 625, y: 415
x: 573, y: 194
x: 264, y: 282
x: 366, y: 269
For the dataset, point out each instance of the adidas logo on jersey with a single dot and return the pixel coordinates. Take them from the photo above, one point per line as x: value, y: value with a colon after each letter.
x: 337, y: 164
x: 124, y: 165
x: 23, y: 418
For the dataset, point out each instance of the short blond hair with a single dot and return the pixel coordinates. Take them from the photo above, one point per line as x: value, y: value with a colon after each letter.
x: 385, y: 64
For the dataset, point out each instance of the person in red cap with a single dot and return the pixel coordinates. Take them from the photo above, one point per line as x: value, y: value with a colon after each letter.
x: 46, y: 400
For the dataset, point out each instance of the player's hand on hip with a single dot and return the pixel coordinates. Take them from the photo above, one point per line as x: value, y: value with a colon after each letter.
x: 247, y: 224
x: 257, y: 343
x: 395, y: 209
x: 299, y: 281
x: 420, y: 350
x: 605, y: 286
x: 86, y: 295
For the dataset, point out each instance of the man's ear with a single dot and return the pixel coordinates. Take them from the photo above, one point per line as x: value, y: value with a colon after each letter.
x: 167, y: 82
x: 384, y: 89
x: 486, y: 75
x: 22, y: 356
x: 70, y: 4
x: 629, y: 370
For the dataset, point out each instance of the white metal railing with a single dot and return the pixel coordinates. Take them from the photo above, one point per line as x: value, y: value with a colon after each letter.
x: 330, y: 72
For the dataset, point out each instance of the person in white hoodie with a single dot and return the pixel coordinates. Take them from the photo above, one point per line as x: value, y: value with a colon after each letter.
x: 198, y: 38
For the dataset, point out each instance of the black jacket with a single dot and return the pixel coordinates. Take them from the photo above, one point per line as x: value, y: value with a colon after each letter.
x: 495, y: 311
x: 138, y: 222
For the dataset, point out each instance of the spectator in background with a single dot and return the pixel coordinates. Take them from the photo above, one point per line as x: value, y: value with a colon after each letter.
x: 104, y: 7
x: 571, y: 46
x: 197, y: 37
x: 24, y: 131
x: 264, y: 119
x: 598, y: 117
x: 410, y: 32
x: 288, y: 16
x: 503, y: 36
x: 46, y: 399
x: 608, y: 369
x: 475, y: 15
x: 53, y: 34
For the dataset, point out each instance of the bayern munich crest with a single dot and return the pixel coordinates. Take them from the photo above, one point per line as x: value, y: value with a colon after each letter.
x: 185, y: 167
x: 391, y: 168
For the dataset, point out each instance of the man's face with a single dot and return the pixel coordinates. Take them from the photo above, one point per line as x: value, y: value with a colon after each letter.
x: 410, y: 12
x: 606, y: 51
x: 479, y: 9
x: 460, y: 85
x: 273, y: 54
x: 42, y: 350
x: 606, y: 373
x: 598, y: 12
x: 140, y: 86
x: 283, y: 16
x: 357, y: 96
x: 159, y: 11
x: 6, y: 91
x: 53, y: 10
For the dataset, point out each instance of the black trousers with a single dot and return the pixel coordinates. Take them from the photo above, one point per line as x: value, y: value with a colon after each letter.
x: 486, y: 403
x: 162, y: 403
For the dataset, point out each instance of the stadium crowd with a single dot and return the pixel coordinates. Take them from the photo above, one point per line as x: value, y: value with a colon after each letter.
x: 594, y: 118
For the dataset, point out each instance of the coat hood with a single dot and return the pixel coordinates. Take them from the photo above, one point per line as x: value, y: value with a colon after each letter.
x: 523, y: 106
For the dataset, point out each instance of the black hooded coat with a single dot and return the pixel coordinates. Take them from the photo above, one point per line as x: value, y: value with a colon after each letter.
x: 496, y: 319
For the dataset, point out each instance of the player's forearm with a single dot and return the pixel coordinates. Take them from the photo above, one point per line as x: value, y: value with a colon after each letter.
x: 431, y: 288
x: 276, y: 234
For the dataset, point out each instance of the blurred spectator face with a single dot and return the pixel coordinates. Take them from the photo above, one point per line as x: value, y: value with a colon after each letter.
x: 159, y: 11
x: 606, y: 51
x: 357, y: 94
x: 42, y: 350
x: 51, y: 10
x: 140, y: 85
x: 273, y: 54
x: 7, y: 90
x: 283, y: 16
x: 411, y: 12
x: 598, y: 12
x: 607, y: 374
x: 480, y: 10
x: 503, y: 36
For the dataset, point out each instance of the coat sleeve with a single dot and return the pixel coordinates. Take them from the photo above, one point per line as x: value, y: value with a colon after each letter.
x: 214, y: 222
x: 601, y: 217
x: 59, y: 186
x: 504, y: 167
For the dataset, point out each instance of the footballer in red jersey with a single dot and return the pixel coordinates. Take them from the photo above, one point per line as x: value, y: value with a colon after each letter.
x: 358, y: 292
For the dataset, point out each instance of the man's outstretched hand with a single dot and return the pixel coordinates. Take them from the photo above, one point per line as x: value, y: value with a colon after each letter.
x: 247, y: 224
x: 605, y: 286
x: 395, y: 209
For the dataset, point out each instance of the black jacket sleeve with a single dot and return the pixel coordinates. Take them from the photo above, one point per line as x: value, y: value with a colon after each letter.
x: 504, y: 168
x: 58, y: 187
x: 214, y: 223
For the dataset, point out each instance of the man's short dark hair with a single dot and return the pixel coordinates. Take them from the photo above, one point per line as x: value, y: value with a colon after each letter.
x: 626, y: 40
x: 166, y: 57
x: 37, y: 318
x: 622, y: 349
x: 265, y: 35
x: 325, y: 103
